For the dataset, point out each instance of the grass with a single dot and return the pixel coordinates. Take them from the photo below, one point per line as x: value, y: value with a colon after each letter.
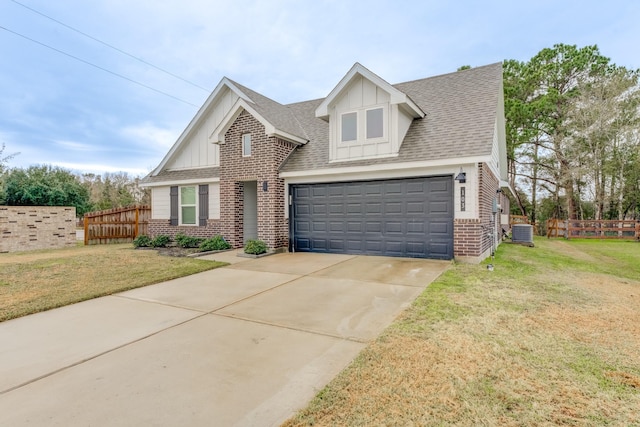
x: 41, y: 280
x: 550, y: 337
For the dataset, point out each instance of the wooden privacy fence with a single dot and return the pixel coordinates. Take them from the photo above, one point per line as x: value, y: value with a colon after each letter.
x: 592, y: 229
x: 518, y: 219
x: 118, y: 225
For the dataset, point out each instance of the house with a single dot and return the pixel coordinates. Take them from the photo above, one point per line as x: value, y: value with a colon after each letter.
x: 413, y: 169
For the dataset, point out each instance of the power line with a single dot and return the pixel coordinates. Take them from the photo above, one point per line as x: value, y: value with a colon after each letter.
x: 97, y: 66
x: 111, y: 46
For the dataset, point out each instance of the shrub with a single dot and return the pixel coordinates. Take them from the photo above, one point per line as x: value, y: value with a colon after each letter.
x: 216, y: 243
x: 160, y: 241
x: 185, y: 241
x: 142, y: 241
x: 255, y: 247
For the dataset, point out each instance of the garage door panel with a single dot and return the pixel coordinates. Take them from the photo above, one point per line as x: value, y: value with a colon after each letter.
x: 319, y: 209
x: 319, y: 244
x: 303, y: 244
x: 319, y: 191
x: 416, y: 208
x: 393, y: 208
x: 440, y: 229
x: 415, y: 187
x: 373, y: 227
x: 355, y: 246
x: 336, y: 191
x: 337, y: 245
x: 354, y: 208
x: 301, y: 192
x: 440, y: 187
x: 373, y: 190
x: 336, y: 208
x: 353, y: 189
x: 415, y: 248
x: 393, y: 227
x: 374, y: 208
x: 416, y: 228
x: 319, y: 226
x: 439, y: 248
x: 302, y: 226
x: 302, y: 209
x: 337, y: 227
x: 393, y: 189
x: 439, y: 207
x: 404, y: 217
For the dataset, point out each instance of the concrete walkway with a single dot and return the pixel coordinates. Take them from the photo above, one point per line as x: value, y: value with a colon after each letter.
x: 248, y: 344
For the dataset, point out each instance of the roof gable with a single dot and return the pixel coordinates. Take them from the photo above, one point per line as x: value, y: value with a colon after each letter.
x: 217, y: 136
x: 462, y: 109
x: 219, y: 91
x: 278, y: 119
x: 397, y: 97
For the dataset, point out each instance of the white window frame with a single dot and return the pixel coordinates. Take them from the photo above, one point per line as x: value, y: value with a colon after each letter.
x: 342, y: 124
x: 384, y: 123
x: 361, y: 125
x: 195, y: 205
x: 246, y: 143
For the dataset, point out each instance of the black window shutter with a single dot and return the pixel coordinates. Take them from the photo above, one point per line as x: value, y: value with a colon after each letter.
x: 173, y: 197
x: 203, y: 203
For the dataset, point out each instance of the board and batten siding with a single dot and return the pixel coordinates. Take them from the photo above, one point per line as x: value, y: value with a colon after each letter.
x: 198, y: 150
x: 161, y: 205
x: 360, y: 94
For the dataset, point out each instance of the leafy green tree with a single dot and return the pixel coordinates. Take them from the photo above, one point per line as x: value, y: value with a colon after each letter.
x: 4, y: 158
x: 539, y: 97
x: 604, y: 127
x: 46, y: 186
x: 115, y: 190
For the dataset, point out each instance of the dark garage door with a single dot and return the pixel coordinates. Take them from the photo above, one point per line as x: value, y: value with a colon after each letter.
x: 401, y: 217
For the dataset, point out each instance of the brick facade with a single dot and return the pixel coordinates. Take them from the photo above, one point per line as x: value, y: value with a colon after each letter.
x: 24, y: 228
x: 472, y: 238
x: 163, y: 227
x: 267, y: 154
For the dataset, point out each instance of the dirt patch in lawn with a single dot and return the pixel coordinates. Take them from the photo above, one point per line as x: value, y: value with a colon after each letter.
x: 532, y: 343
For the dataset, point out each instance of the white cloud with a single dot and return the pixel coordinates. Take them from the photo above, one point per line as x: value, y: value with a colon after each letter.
x: 150, y: 135
x: 75, y: 146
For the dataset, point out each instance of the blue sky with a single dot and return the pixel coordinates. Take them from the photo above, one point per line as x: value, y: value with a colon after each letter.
x: 57, y: 110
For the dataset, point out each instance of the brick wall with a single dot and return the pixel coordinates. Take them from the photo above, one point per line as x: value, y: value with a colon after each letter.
x: 467, y: 238
x: 472, y: 237
x: 164, y: 227
x: 267, y: 154
x: 24, y: 228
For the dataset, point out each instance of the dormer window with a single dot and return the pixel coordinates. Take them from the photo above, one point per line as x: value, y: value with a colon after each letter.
x: 375, y: 123
x: 368, y: 118
x: 364, y: 125
x: 349, y: 127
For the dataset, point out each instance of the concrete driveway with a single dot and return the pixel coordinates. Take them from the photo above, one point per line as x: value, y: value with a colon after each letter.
x: 248, y: 344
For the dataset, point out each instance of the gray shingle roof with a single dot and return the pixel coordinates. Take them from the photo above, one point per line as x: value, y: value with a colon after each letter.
x: 182, y: 175
x: 461, y: 111
x: 280, y: 116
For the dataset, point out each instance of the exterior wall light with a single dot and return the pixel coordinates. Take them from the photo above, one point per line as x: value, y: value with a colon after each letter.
x: 461, y: 177
x: 265, y: 186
